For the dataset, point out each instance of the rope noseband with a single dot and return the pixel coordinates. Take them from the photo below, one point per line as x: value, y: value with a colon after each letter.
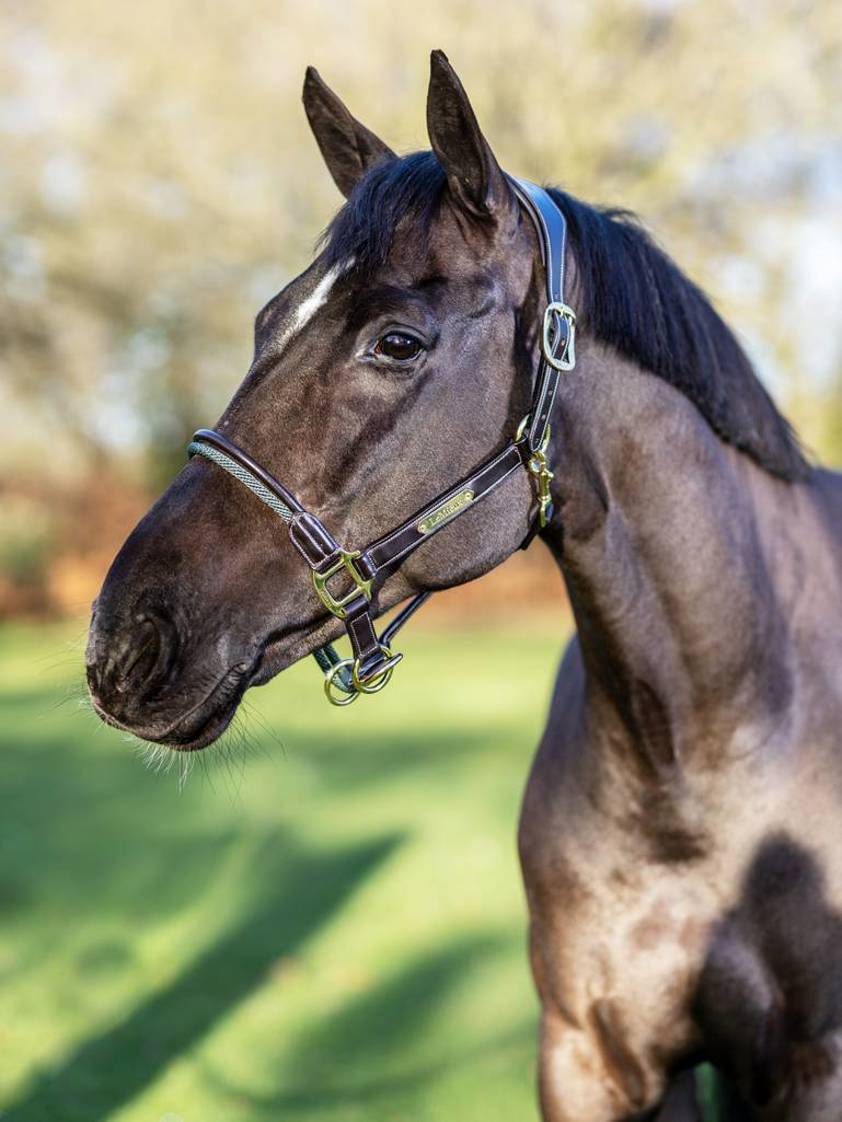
x: 372, y: 664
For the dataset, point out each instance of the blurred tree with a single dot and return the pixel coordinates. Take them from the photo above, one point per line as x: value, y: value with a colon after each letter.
x: 159, y: 184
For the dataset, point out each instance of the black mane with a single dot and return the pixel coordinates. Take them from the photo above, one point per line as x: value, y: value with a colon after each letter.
x: 632, y: 297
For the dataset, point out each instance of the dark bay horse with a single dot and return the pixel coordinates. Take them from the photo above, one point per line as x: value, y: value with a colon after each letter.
x: 681, y: 834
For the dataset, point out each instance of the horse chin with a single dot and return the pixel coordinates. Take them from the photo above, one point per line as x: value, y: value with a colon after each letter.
x: 201, y: 725
x: 204, y: 724
x: 202, y: 728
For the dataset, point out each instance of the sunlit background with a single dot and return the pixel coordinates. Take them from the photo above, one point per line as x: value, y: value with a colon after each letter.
x: 322, y: 921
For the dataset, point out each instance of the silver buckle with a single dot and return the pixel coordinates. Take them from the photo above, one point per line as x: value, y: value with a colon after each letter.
x: 559, y: 311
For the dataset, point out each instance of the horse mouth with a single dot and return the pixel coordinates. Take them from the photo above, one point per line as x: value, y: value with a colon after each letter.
x: 208, y: 718
x: 202, y: 724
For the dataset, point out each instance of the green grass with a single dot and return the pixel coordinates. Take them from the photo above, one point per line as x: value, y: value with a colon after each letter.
x: 330, y: 927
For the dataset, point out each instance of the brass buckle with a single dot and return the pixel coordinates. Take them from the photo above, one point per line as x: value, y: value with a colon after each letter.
x: 567, y: 359
x: 538, y: 468
x: 337, y: 605
x: 380, y: 680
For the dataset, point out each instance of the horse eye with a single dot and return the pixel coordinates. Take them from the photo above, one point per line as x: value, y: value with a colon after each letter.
x: 399, y: 346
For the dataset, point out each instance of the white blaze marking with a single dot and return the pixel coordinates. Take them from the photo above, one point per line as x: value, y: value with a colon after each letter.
x: 311, y: 304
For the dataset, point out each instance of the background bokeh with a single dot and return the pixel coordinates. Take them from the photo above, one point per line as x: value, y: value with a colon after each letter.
x: 158, y: 184
x: 332, y: 929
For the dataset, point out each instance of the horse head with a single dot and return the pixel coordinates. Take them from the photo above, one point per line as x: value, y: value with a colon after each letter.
x: 399, y: 359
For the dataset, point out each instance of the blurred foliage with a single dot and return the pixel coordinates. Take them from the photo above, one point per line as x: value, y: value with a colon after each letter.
x: 24, y: 539
x: 158, y: 182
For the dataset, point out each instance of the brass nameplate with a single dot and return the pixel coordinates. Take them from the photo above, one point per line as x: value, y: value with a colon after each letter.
x: 445, y: 512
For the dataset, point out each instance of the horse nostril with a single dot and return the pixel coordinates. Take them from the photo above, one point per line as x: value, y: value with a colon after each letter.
x: 137, y: 660
x: 142, y: 658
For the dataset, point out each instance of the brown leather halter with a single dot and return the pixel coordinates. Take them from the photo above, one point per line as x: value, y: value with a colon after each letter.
x: 373, y: 662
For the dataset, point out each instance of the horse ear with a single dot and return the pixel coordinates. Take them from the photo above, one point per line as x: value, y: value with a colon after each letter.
x: 348, y: 148
x: 473, y: 174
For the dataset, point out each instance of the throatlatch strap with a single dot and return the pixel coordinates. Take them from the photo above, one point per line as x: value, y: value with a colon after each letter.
x: 384, y: 555
x: 557, y: 338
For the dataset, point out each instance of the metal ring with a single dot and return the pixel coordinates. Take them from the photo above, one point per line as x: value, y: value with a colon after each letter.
x: 379, y: 681
x: 340, y: 699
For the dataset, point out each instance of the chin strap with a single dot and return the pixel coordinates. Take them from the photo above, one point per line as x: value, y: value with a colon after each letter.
x: 360, y: 571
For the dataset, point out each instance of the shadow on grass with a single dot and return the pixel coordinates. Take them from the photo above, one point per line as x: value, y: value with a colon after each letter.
x: 362, y: 760
x: 351, y: 758
x: 89, y: 833
x: 368, y: 1050
x: 92, y: 839
x: 111, y: 1069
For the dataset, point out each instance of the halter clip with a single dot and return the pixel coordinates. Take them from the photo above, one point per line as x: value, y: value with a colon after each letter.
x: 538, y: 468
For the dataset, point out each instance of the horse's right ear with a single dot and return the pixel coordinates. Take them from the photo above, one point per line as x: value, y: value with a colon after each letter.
x: 349, y: 149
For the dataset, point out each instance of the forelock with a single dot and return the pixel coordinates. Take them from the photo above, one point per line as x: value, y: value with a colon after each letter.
x: 404, y: 192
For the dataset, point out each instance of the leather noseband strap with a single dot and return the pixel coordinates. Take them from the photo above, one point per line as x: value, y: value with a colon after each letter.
x: 362, y: 572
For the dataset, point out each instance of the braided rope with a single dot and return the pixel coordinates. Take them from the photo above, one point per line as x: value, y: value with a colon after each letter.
x: 326, y: 657
x: 243, y: 475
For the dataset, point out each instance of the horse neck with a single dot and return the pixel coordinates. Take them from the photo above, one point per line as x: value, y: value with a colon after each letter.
x: 662, y: 539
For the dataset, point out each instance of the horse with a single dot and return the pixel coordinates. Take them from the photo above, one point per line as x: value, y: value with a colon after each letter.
x: 680, y: 830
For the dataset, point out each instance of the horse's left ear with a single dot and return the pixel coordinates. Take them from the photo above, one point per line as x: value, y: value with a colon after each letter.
x: 473, y: 174
x: 348, y: 147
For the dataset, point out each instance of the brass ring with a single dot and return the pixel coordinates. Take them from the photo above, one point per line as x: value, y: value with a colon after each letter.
x: 340, y: 699
x: 379, y: 681
x: 521, y: 431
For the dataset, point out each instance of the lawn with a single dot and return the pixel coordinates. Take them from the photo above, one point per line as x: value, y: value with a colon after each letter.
x: 324, y: 921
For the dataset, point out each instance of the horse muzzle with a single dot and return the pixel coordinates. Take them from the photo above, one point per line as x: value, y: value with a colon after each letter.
x: 138, y: 682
